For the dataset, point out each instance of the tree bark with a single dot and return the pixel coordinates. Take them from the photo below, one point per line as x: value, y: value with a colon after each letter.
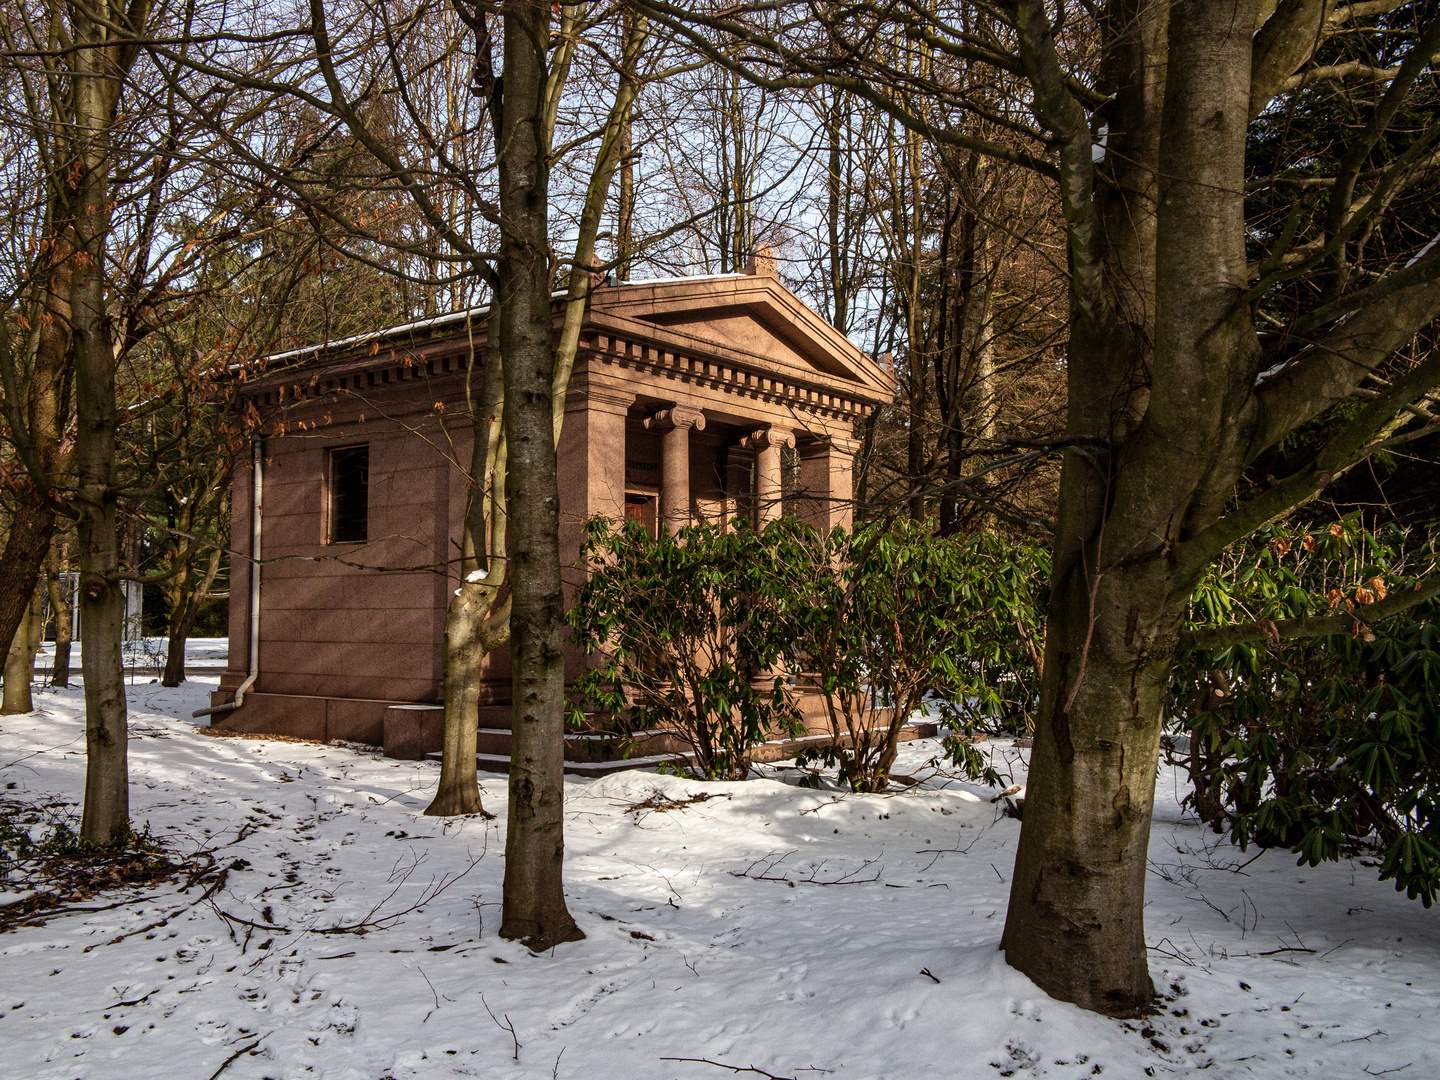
x: 39, y: 434
x: 97, y: 68
x: 534, y: 901
x: 1076, y: 916
x: 31, y: 530
x: 20, y: 661
x: 473, y: 628
x: 625, y: 209
x: 61, y: 609
x: 182, y: 618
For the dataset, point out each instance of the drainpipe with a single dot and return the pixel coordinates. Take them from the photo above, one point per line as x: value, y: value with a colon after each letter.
x: 256, y: 511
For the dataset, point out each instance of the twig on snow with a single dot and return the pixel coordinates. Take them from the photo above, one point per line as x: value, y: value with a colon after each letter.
x: 742, y: 1068
x: 770, y: 862
x: 210, y: 891
x: 231, y: 1059
x: 371, y: 921
x: 508, y: 1026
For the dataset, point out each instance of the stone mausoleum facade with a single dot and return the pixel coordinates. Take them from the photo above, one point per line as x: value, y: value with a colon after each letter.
x: 685, y: 397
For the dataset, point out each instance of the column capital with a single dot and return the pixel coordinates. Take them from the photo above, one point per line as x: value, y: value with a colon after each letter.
x: 768, y: 438
x: 599, y: 399
x: 676, y: 418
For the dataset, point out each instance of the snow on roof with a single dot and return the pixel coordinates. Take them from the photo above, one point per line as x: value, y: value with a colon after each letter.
x: 456, y: 316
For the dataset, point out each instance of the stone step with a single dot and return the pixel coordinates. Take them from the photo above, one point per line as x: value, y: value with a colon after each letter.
x: 582, y: 746
x: 775, y: 750
x: 500, y: 763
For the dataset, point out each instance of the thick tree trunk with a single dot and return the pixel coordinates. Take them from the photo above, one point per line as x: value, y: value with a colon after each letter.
x: 33, y: 525
x: 106, y: 818
x: 31, y: 530
x: 459, y: 788
x: 174, y: 673
x: 1076, y: 917
x: 534, y: 900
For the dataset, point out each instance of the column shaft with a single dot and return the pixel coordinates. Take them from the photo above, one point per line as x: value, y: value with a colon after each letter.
x: 675, y: 424
x: 675, y: 478
x: 769, y: 486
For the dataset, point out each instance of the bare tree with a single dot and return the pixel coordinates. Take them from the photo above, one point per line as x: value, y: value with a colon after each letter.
x: 424, y: 103
x: 115, y: 246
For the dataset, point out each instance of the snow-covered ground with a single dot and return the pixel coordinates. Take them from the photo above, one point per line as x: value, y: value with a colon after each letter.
x: 199, y: 653
x: 711, y: 934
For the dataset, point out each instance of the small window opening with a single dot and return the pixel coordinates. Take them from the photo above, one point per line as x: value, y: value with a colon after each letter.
x: 349, y: 494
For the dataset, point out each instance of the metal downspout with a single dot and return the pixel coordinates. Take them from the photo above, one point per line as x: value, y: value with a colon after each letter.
x: 256, y: 513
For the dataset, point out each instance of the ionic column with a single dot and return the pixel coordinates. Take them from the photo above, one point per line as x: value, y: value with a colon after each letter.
x: 675, y: 422
x: 768, y: 488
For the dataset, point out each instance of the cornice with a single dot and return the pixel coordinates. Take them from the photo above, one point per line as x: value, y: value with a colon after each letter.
x: 705, y: 369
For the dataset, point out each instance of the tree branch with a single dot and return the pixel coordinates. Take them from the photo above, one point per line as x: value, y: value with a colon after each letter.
x: 1350, y: 445
x: 1344, y: 622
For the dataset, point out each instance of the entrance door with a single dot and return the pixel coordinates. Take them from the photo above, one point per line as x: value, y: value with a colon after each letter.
x: 641, y: 508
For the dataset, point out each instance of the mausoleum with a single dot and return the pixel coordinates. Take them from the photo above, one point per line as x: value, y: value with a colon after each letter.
x: 689, y: 399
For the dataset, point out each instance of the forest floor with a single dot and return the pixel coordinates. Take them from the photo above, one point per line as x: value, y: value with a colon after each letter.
x: 765, y: 927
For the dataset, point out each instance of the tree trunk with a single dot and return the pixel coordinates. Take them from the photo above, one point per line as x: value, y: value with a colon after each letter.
x: 625, y: 211
x: 20, y: 666
x: 31, y: 530
x: 33, y: 525
x: 470, y: 631
x: 534, y: 902
x: 836, y: 212
x: 1076, y: 917
x: 182, y: 618
x: 60, y: 608
x: 106, y: 818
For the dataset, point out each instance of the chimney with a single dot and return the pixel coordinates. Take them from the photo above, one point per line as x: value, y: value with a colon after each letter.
x: 762, y: 263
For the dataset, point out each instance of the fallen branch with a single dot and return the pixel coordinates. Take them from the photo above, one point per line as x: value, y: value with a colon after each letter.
x: 210, y: 891
x: 821, y: 806
x: 736, y: 1068
x: 230, y: 1060
x: 659, y: 802
x: 770, y: 862
x: 371, y: 921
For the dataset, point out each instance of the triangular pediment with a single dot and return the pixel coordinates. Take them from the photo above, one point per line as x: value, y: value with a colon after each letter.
x: 752, y: 318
